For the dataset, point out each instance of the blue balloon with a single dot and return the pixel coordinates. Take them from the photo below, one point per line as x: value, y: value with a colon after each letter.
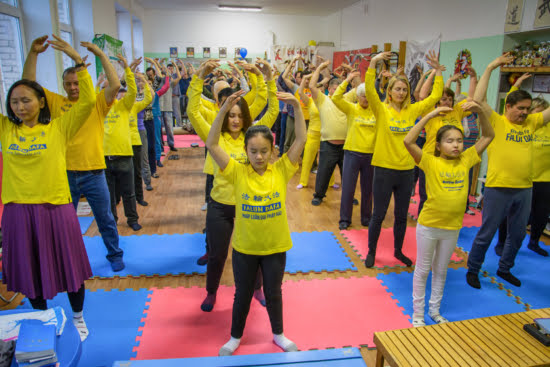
x: 243, y: 52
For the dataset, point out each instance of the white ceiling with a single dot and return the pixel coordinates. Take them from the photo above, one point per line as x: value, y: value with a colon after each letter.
x: 297, y: 7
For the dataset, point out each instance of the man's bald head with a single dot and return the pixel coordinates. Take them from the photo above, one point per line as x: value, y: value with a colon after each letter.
x: 218, y: 86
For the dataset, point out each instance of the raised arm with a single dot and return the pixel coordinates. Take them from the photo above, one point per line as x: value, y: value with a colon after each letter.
x: 297, y: 147
x: 304, y: 97
x: 261, y: 96
x: 147, y: 96
x: 451, y: 80
x: 165, y: 86
x: 338, y: 96
x: 480, y: 95
x: 38, y: 46
x: 437, y: 90
x: 110, y: 72
x: 131, y: 88
x: 315, y: 77
x: 270, y: 116
x: 410, y: 139
x: 199, y: 123
x: 427, y: 86
x: 419, y: 85
x: 212, y: 142
x: 370, y: 88
x: 520, y: 80
x: 487, y: 132
x: 176, y: 80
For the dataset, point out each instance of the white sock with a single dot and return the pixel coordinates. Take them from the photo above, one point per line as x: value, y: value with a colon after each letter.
x: 230, y: 347
x: 284, y: 343
x: 78, y: 321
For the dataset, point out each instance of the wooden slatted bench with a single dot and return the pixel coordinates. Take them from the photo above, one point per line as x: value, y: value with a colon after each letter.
x: 490, y: 341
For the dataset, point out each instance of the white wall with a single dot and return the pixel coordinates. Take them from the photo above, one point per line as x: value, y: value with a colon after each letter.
x: 104, y: 15
x: 416, y: 20
x: 163, y: 29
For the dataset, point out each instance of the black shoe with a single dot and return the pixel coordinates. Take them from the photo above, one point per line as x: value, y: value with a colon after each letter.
x: 159, y: 164
x: 535, y: 247
x: 473, y: 280
x: 149, y: 187
x: 173, y: 149
x: 343, y: 226
x: 509, y: 278
x: 316, y: 201
x: 155, y: 175
x: 203, y: 260
x: 365, y: 223
x: 369, y: 262
x: 142, y: 202
x: 498, y: 248
x: 355, y: 201
x: 135, y: 226
x: 404, y: 259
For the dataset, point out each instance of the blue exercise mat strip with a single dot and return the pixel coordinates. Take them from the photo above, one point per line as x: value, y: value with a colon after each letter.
x: 175, y: 254
x: 460, y: 301
x: 113, y: 319
x: 85, y: 223
x: 529, y: 267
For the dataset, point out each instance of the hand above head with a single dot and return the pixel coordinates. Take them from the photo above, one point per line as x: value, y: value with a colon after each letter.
x: 231, y: 101
x: 433, y: 60
x: 504, y: 59
x: 352, y: 75
x: 135, y: 64
x: 381, y: 56
x: 92, y: 47
x: 207, y: 68
x: 251, y: 68
x: 39, y: 45
x: 324, y: 65
x: 471, y: 72
x: 471, y: 106
x: 122, y: 61
x: 440, y: 111
x: 288, y: 98
x: 63, y: 46
x: 265, y: 68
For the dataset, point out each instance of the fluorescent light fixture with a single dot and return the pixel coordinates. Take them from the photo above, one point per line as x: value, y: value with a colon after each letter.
x: 240, y: 8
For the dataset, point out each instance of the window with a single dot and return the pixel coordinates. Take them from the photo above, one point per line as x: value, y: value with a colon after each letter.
x: 9, y: 2
x: 67, y: 37
x: 11, y: 56
x: 63, y: 11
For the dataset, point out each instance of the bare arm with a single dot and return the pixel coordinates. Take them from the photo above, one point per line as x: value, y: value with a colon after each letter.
x: 521, y: 79
x: 480, y: 95
x: 110, y: 71
x: 38, y: 46
x: 304, y: 97
x: 410, y: 140
x: 473, y: 82
x: 487, y: 131
x: 427, y: 86
x: 297, y: 147
x: 315, y: 78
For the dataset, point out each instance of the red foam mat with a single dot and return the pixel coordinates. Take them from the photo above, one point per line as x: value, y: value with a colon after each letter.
x: 185, y: 140
x: 359, y: 240
x: 318, y: 314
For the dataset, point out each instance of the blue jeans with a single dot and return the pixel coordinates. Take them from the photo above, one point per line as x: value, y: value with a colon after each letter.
x: 355, y: 163
x: 93, y: 186
x: 284, y: 116
x: 158, y: 136
x: 168, y: 120
x: 499, y: 203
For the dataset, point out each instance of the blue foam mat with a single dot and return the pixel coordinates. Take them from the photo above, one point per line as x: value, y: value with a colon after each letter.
x: 460, y: 301
x: 178, y: 253
x: 113, y: 318
x: 343, y: 357
x: 529, y: 267
x: 85, y: 223
x: 316, y: 251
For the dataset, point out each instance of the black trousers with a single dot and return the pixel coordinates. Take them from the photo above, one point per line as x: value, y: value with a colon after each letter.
x: 76, y: 299
x: 330, y: 155
x: 151, y: 144
x: 138, y: 180
x: 386, y: 182
x: 540, y: 210
x: 245, y: 269
x: 119, y: 174
x: 220, y: 219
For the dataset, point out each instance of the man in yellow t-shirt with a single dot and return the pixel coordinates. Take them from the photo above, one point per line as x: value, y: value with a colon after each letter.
x: 509, y: 184
x: 85, y: 161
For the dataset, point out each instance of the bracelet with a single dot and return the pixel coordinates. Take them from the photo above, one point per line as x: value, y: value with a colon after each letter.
x: 81, y: 65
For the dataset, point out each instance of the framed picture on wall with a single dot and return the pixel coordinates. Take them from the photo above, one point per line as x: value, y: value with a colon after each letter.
x: 541, y: 83
x: 514, y: 13
x: 206, y: 52
x: 542, y: 14
x: 173, y: 52
x: 223, y: 52
x: 190, y: 52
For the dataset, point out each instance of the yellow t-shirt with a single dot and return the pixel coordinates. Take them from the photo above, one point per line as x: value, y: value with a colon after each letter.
x: 447, y: 189
x: 351, y: 96
x: 511, y: 151
x: 361, y: 122
x: 222, y: 191
x: 541, y: 154
x: 35, y: 170
x: 117, y: 139
x: 137, y: 108
x: 334, y: 123
x: 305, y: 108
x: 432, y: 127
x: 261, y: 225
x: 260, y: 96
x: 314, y: 127
x: 85, y: 150
x: 393, y: 126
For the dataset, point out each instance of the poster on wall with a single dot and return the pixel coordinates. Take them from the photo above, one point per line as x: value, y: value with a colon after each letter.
x: 223, y: 52
x: 281, y: 54
x: 357, y: 59
x: 463, y: 63
x: 111, y: 47
x: 542, y: 15
x: 173, y: 52
x: 415, y: 61
x: 514, y: 13
x: 206, y: 52
x: 190, y: 52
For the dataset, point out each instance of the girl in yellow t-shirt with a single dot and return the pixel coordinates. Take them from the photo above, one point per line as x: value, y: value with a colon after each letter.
x: 43, y: 251
x: 441, y: 219
x: 261, y: 236
x: 393, y: 166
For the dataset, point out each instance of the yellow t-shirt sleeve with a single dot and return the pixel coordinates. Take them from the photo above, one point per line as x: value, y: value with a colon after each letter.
x: 285, y: 168
x: 231, y: 171
x: 338, y: 98
x: 426, y: 162
x: 538, y: 119
x: 370, y: 93
x: 269, y: 118
x: 193, y: 108
x: 102, y: 106
x: 261, y: 98
x: 251, y: 96
x: 512, y: 89
x: 54, y: 103
x: 428, y: 103
x: 147, y: 99
x: 470, y: 157
x: 131, y: 93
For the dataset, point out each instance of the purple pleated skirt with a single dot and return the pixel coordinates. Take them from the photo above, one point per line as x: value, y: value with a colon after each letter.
x: 43, y: 252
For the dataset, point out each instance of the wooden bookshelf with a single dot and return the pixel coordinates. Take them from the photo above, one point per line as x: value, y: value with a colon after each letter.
x: 534, y: 69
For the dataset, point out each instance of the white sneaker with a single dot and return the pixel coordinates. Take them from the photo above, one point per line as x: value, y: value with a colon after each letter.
x: 204, y: 207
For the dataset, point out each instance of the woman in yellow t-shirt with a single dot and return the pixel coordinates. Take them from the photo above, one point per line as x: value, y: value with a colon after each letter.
x: 43, y: 251
x: 393, y: 166
x: 262, y: 236
x: 441, y: 219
